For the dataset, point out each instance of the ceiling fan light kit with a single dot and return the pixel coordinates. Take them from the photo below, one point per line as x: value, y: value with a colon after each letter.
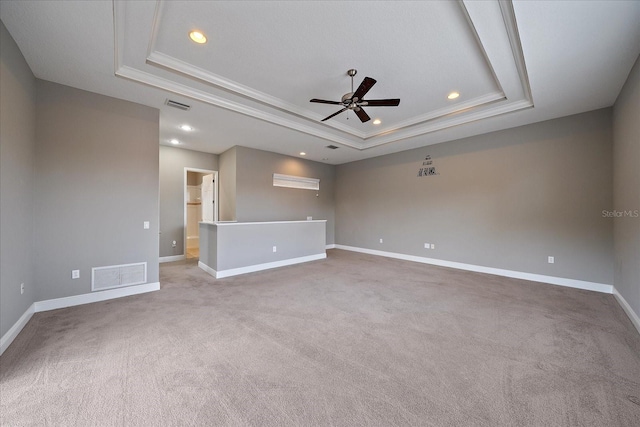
x: 354, y: 100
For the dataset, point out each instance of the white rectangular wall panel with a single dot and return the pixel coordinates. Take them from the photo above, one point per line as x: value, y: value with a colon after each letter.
x: 289, y: 181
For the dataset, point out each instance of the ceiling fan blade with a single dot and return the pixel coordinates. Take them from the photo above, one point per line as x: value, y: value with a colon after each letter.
x: 364, y: 87
x: 334, y: 114
x: 364, y: 117
x: 381, y: 102
x: 322, y: 101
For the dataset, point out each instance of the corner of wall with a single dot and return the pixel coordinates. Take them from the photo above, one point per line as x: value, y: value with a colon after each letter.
x: 17, y: 183
x: 626, y: 194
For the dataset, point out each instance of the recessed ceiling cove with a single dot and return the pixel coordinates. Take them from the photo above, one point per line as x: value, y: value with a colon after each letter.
x: 268, y: 59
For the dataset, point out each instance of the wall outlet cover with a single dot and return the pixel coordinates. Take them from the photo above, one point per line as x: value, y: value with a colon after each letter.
x: 380, y: 240
x: 551, y: 260
x: 75, y: 274
x: 433, y: 246
x: 146, y: 225
x: 275, y: 249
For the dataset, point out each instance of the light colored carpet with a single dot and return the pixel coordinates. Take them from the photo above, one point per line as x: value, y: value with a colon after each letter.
x: 352, y: 340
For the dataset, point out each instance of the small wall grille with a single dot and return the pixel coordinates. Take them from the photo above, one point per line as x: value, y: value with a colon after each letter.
x: 178, y: 105
x: 118, y: 276
x: 295, y: 182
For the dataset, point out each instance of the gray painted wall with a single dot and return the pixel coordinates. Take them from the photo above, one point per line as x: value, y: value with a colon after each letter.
x: 17, y: 157
x: 258, y: 200
x: 237, y: 245
x: 506, y: 199
x: 172, y: 164
x: 626, y: 189
x: 227, y: 186
x: 96, y: 183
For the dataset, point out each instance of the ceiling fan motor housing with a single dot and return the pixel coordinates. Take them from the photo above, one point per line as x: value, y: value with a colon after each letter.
x: 346, y: 98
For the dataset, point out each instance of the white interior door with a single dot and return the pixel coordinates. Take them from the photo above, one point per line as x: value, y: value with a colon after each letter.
x: 208, y: 199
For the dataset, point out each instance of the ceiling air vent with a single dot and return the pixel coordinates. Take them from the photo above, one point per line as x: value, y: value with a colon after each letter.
x: 178, y: 105
x: 333, y: 147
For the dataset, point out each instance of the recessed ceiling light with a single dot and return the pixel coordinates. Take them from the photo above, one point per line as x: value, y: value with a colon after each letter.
x: 377, y: 121
x: 174, y: 141
x: 186, y: 127
x: 302, y: 153
x: 198, y: 37
x: 453, y: 95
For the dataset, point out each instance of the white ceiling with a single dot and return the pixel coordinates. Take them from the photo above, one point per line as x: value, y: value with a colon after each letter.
x: 250, y: 84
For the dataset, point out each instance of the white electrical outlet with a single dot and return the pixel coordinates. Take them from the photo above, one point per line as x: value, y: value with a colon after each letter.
x: 21, y: 288
x: 427, y: 246
x: 380, y: 240
x: 75, y: 274
x: 275, y: 249
x: 309, y: 218
x: 551, y: 260
x: 173, y: 244
x: 433, y: 246
x: 146, y: 225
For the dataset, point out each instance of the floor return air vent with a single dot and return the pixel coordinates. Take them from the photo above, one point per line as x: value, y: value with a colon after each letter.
x: 118, y: 276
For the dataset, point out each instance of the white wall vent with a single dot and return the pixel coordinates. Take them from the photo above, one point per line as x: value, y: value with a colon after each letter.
x: 117, y: 276
x: 295, y: 182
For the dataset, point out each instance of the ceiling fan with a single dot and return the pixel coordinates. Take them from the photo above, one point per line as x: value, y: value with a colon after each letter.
x: 353, y: 100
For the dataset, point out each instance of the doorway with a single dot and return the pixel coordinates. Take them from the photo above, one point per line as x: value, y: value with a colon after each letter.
x: 200, y: 204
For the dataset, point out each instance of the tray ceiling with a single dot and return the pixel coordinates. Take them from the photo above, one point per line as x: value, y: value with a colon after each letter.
x: 265, y: 54
x: 513, y: 63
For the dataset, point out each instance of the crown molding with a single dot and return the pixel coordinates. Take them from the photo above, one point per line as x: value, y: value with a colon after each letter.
x: 483, y: 107
x: 189, y: 92
x: 511, y: 25
x: 451, y: 122
x: 470, y: 105
x: 168, y: 62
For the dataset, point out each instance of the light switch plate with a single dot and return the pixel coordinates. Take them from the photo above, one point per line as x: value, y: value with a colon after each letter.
x: 146, y: 225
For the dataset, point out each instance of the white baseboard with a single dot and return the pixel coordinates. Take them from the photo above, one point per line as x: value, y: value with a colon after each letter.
x: 171, y: 258
x: 208, y: 269
x: 633, y: 316
x: 57, y: 303
x: 54, y: 304
x: 560, y: 281
x: 12, y: 333
x: 331, y: 246
x: 259, y: 267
